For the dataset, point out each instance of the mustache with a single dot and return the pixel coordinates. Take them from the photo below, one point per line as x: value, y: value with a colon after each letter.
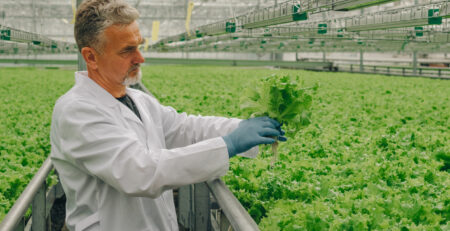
x: 135, y: 67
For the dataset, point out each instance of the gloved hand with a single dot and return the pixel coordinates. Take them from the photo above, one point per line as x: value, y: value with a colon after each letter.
x: 252, y: 132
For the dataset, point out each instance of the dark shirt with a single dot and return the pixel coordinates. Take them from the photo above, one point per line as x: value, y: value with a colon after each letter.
x: 130, y: 104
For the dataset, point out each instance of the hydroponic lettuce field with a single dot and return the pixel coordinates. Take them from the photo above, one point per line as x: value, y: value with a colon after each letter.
x: 27, y: 99
x: 368, y: 161
x: 375, y: 156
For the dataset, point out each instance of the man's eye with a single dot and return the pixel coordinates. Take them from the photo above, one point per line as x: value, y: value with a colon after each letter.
x: 126, y: 52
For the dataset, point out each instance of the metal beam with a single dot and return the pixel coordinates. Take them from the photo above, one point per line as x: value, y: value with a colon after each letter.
x: 345, y: 5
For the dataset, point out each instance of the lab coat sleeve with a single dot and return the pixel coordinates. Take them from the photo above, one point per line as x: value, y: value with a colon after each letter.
x: 93, y: 140
x: 181, y: 129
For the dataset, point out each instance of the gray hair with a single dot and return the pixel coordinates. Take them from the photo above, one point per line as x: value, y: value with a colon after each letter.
x: 94, y: 16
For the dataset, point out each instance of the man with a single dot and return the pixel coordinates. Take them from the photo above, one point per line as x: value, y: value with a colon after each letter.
x: 118, y: 152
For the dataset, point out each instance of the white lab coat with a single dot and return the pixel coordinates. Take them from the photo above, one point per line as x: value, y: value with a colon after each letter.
x: 117, y: 171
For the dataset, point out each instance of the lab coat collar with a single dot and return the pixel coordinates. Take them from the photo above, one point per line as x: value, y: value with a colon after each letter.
x: 82, y: 79
x: 99, y: 93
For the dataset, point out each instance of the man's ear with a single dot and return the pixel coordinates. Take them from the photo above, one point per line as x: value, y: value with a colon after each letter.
x: 90, y: 56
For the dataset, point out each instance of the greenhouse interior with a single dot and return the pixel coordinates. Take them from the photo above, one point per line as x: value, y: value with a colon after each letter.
x: 243, y: 115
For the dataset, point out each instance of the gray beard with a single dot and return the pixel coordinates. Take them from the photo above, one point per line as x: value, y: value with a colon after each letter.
x: 130, y: 80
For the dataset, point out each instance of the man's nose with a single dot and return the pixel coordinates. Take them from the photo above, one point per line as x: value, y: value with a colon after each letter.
x: 139, y: 58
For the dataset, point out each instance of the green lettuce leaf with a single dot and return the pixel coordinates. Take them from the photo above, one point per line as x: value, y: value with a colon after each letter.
x: 281, y: 98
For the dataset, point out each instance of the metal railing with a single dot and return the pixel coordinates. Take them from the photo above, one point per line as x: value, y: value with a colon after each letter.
x: 212, y: 206
x: 40, y: 200
x: 204, y: 206
x: 439, y: 73
x: 231, y: 207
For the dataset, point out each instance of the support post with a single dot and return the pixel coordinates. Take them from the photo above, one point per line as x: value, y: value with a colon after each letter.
x: 202, y: 207
x: 278, y: 56
x: 224, y: 222
x: 361, y: 60
x: 2, y: 16
x: 81, y: 62
x: 185, y: 210
x: 414, y: 62
x: 33, y: 7
x: 39, y: 222
x: 194, y: 207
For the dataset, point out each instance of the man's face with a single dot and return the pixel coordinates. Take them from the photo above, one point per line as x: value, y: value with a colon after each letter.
x: 120, y: 61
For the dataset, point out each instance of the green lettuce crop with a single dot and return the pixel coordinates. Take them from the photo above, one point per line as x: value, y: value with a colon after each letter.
x: 281, y: 98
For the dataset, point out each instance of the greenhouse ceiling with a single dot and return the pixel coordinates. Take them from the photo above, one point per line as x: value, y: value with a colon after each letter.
x: 256, y: 25
x: 53, y: 17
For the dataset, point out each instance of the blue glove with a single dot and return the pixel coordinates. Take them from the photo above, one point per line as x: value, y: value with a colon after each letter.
x: 253, y: 132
